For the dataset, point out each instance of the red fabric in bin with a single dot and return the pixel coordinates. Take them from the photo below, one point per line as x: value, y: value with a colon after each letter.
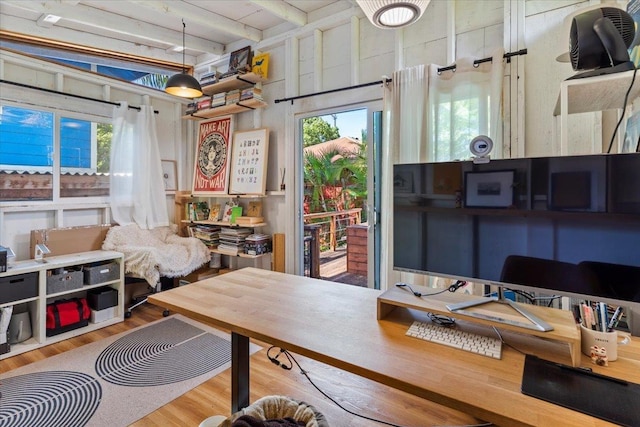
x: 67, y: 312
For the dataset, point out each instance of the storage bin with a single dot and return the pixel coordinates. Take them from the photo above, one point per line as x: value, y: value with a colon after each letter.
x: 18, y: 287
x: 98, y: 316
x: 65, y: 281
x: 94, y: 274
x: 102, y: 298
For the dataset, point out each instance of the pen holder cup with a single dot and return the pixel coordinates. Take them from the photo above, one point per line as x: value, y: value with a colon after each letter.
x: 607, y: 340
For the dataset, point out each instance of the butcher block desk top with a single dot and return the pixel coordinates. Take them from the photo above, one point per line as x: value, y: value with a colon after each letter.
x: 337, y: 324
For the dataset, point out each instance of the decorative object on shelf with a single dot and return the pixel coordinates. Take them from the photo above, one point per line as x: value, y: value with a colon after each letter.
x: 239, y: 61
x: 492, y: 189
x: 213, y: 154
x: 183, y: 84
x: 228, y: 209
x: 169, y: 175
x: 236, y: 212
x: 254, y: 208
x: 249, y: 162
x: 260, y: 65
x: 214, y: 212
x: 390, y: 14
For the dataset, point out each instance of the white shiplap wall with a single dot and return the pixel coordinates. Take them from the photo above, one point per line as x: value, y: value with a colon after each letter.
x: 346, y: 43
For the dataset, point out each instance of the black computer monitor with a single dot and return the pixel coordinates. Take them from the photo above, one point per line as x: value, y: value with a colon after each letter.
x: 465, y: 220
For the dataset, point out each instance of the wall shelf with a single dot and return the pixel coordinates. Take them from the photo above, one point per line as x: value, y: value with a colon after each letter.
x: 238, y: 107
x: 239, y: 81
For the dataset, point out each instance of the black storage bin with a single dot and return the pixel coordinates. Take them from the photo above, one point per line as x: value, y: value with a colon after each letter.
x: 100, y: 273
x: 102, y: 298
x: 18, y: 287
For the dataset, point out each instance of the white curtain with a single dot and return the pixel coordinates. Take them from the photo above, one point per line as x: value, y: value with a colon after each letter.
x: 404, y: 140
x: 137, y: 189
x: 463, y: 104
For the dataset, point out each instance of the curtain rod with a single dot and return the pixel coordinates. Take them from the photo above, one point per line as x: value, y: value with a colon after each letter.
x: 293, y: 98
x: 477, y: 62
x: 69, y: 94
x: 451, y: 67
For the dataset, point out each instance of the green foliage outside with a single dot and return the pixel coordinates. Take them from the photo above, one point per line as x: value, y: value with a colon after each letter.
x: 316, y: 130
x: 104, y: 133
x: 333, y: 169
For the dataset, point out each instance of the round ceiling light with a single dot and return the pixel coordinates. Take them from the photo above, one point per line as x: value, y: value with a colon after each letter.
x: 393, y: 13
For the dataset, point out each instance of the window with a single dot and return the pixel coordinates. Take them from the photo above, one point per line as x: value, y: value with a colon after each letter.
x: 28, y: 148
x: 110, y: 64
x: 456, y: 120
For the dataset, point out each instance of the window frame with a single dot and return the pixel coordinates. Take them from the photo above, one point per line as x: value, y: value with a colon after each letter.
x: 56, y: 168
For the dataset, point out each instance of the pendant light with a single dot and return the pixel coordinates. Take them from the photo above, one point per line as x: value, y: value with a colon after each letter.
x: 393, y: 13
x: 183, y: 84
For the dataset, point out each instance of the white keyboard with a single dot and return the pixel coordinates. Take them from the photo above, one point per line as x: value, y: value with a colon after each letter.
x: 474, y: 343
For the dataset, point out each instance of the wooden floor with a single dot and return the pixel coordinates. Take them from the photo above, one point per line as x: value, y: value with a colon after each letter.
x: 333, y: 267
x: 213, y: 397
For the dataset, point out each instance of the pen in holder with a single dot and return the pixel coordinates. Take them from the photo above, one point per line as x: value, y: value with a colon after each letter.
x: 609, y: 341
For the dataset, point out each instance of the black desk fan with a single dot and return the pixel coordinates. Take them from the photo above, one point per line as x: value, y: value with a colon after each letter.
x: 598, y: 41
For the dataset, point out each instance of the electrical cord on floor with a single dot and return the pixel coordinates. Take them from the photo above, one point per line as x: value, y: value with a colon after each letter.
x: 291, y: 358
x: 624, y: 107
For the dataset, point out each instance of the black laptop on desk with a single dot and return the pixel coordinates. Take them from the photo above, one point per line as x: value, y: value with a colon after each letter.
x: 579, y: 389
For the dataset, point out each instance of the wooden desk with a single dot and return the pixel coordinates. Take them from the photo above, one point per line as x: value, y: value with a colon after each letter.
x: 336, y: 324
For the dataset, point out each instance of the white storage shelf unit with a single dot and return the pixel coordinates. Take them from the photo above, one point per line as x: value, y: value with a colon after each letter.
x: 37, y: 304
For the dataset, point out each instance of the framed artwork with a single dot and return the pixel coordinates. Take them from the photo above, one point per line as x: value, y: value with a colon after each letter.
x: 240, y: 59
x: 213, y: 156
x: 249, y: 162
x: 490, y: 189
x: 403, y: 182
x: 169, y: 175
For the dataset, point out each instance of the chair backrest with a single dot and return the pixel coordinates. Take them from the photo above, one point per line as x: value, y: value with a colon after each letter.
x: 548, y: 274
x: 617, y: 280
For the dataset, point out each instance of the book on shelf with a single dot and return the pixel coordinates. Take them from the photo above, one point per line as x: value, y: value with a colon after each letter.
x: 226, y: 213
x: 214, y: 212
x: 249, y: 220
x: 260, y: 65
x: 197, y: 211
x: 236, y: 211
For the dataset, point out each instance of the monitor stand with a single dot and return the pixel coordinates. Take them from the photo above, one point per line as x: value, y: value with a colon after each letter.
x: 535, y: 322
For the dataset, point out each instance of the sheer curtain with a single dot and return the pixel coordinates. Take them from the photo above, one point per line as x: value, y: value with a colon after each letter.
x: 404, y: 140
x: 433, y: 117
x: 137, y: 189
x: 463, y: 104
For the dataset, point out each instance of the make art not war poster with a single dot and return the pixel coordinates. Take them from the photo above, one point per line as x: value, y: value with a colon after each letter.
x: 213, y: 156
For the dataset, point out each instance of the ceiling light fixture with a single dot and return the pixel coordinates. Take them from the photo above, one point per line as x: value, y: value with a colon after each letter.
x: 183, y: 84
x: 393, y: 13
x: 47, y: 20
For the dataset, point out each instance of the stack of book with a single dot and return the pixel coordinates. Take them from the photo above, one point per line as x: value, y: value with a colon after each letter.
x: 232, y: 240
x: 218, y: 100
x: 209, y: 78
x: 208, y: 234
x: 192, y: 107
x: 204, y: 103
x: 257, y: 244
x: 252, y: 92
x: 233, y: 96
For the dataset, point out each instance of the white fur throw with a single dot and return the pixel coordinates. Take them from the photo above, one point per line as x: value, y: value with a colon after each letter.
x: 157, y: 252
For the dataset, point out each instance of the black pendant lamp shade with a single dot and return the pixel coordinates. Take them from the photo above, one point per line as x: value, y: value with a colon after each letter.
x: 183, y: 84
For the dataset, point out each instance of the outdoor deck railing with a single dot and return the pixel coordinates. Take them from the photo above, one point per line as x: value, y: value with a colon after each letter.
x: 337, y: 222
x: 315, y: 231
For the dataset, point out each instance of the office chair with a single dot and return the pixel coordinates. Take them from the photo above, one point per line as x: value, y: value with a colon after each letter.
x: 549, y: 274
x: 616, y: 280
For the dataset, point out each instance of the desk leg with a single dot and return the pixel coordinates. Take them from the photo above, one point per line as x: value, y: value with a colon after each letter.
x: 239, y: 372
